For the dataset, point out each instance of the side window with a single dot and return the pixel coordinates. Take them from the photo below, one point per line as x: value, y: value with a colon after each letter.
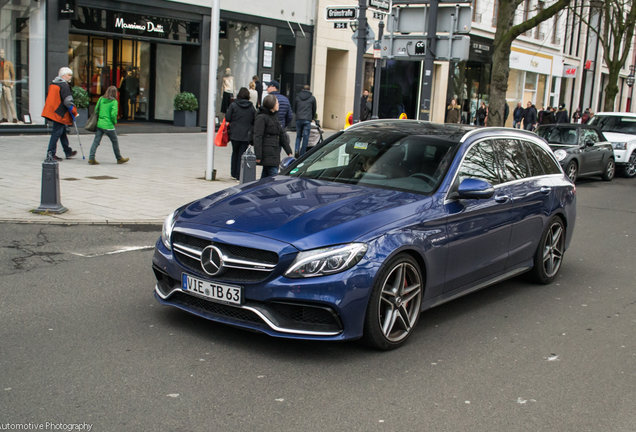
x: 548, y: 163
x: 480, y: 163
x: 589, y: 134
x: 512, y: 158
x: 534, y: 163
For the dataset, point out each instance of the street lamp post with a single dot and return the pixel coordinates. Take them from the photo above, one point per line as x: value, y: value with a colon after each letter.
x: 630, y: 84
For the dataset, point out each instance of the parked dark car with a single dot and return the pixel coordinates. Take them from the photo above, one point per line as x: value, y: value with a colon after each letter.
x: 582, y: 150
x: 373, y: 226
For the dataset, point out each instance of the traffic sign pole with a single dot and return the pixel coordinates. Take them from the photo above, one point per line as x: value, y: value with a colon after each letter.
x: 378, y: 74
x: 429, y: 62
x: 362, y: 47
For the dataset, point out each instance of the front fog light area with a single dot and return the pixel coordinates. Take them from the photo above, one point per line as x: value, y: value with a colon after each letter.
x: 326, y: 261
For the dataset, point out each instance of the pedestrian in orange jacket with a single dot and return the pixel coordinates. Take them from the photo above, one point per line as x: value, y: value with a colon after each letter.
x: 59, y: 101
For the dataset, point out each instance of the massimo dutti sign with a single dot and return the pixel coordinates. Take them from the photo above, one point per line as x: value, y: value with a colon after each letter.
x: 95, y: 20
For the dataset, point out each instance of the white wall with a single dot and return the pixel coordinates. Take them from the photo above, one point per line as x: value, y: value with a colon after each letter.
x: 294, y: 11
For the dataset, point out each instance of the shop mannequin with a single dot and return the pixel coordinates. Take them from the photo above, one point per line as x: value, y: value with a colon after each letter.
x: 228, y: 90
x: 7, y: 79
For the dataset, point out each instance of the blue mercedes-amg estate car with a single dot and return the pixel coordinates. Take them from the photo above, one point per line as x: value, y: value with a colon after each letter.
x: 375, y: 225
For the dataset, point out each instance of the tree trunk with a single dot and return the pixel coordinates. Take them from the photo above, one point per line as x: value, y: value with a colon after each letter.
x: 612, y: 88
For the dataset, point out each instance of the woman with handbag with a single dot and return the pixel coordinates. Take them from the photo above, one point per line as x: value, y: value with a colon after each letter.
x: 106, y: 111
x: 269, y: 137
x: 240, y: 115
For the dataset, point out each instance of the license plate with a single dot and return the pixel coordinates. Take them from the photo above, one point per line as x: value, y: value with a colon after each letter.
x: 212, y: 290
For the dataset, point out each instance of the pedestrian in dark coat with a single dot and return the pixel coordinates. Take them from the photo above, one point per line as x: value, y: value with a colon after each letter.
x: 548, y: 117
x: 258, y: 85
x: 529, y: 117
x: 481, y: 114
x: 240, y: 115
x: 517, y: 115
x: 562, y: 115
x: 285, y: 109
x: 269, y: 137
x: 576, y: 117
x: 305, y: 110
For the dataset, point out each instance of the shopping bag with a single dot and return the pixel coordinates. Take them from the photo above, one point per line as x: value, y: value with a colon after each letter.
x: 222, y: 136
x: 91, y: 123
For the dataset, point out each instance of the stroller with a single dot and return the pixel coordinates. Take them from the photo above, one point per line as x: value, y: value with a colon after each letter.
x: 315, y: 135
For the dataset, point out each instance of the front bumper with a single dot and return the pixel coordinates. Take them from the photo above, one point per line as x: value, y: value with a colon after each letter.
x: 322, y: 308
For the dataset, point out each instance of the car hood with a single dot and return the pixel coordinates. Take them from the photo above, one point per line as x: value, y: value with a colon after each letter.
x: 304, y: 213
x: 619, y: 137
x: 561, y: 146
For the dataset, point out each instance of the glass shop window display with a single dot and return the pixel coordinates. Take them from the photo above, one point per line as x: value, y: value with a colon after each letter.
x: 22, y: 55
x: 238, y: 61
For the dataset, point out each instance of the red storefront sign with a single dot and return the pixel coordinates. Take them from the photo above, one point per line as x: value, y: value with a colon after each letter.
x: 570, y: 71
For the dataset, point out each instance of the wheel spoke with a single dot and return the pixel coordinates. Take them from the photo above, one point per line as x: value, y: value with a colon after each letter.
x: 411, y: 294
x: 403, y: 316
x: 389, y: 321
x: 556, y: 236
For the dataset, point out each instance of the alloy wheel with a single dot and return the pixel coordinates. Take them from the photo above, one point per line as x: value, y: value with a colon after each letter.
x: 610, y: 169
x: 553, y: 249
x: 630, y: 170
x: 400, y: 302
x: 572, y: 171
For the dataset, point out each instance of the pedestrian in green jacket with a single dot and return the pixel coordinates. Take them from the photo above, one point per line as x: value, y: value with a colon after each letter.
x: 107, y: 109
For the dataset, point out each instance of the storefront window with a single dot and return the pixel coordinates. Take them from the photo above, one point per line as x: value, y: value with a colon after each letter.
x: 22, y: 56
x: 238, y: 52
x: 98, y: 63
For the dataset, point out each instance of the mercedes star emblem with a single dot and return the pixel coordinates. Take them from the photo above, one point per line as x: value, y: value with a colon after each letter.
x: 212, y: 260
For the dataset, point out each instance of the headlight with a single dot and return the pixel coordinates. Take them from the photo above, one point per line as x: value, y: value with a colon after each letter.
x: 560, y: 155
x: 620, y: 146
x: 168, y: 224
x: 326, y: 261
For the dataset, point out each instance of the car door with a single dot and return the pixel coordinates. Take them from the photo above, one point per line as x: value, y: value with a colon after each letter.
x: 478, y: 229
x: 591, y: 155
x: 532, y: 194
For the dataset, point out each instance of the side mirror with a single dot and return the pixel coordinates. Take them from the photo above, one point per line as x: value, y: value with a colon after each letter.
x: 287, y: 162
x: 475, y: 189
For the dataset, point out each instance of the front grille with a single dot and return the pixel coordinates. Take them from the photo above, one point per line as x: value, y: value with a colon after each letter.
x: 267, y: 257
x: 306, y: 314
x: 231, y: 274
x: 192, y: 302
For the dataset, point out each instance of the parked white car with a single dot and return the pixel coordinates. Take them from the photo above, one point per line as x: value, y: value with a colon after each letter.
x: 620, y: 129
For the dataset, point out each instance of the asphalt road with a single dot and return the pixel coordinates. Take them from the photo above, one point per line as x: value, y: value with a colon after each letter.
x: 82, y: 340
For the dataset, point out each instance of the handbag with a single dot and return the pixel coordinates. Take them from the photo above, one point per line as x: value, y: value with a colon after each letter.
x: 222, y: 136
x: 91, y: 123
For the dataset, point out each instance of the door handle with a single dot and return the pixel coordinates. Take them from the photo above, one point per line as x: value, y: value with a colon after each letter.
x: 502, y: 198
x: 545, y: 190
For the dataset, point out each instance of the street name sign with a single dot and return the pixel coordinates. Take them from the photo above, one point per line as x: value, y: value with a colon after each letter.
x: 341, y: 13
x: 383, y: 6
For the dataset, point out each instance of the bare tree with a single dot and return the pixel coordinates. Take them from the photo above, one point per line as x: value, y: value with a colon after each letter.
x: 506, y: 33
x: 618, y: 18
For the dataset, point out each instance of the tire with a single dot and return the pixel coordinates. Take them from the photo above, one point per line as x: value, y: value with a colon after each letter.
x: 610, y: 170
x: 394, y: 304
x: 572, y: 171
x: 549, y: 255
x: 629, y: 170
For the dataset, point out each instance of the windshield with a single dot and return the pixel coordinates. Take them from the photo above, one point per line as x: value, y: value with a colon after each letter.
x: 618, y: 124
x: 558, y: 135
x: 388, y: 160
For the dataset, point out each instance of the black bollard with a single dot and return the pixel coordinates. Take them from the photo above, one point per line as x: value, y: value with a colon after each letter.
x: 50, y: 200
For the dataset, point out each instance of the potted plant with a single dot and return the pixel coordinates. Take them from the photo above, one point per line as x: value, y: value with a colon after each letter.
x: 80, y: 97
x: 185, y: 107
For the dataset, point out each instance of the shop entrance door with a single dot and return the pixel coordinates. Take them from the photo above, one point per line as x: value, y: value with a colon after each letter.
x: 99, y: 63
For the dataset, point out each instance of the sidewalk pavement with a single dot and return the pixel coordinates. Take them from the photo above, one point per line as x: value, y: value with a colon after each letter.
x: 165, y: 171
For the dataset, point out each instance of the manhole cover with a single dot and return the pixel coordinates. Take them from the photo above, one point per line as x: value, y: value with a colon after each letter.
x: 71, y: 179
x: 102, y: 178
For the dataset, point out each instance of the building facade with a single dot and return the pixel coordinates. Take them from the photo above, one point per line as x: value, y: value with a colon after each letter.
x: 150, y: 50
